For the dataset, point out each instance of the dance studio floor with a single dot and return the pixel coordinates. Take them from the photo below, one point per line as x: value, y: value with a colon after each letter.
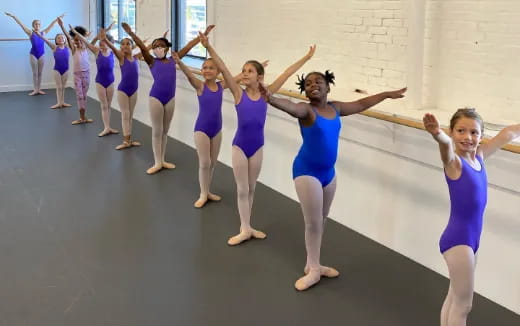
x: 87, y: 238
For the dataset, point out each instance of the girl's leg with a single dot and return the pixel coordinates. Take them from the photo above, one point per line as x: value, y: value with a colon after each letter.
x: 157, y: 116
x: 215, y: 143
x: 127, y: 106
x: 64, y: 79
x: 310, y: 193
x: 328, y: 195
x: 105, y: 96
x: 203, y: 145
x: 81, y: 83
x: 246, y: 173
x: 169, y: 109
x: 41, y: 63
x: 461, y: 266
x: 59, y: 90
x: 34, y: 68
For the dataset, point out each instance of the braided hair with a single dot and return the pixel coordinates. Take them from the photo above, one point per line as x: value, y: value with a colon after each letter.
x: 328, y: 76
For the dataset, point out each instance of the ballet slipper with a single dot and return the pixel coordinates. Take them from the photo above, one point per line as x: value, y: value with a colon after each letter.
x: 154, y: 169
x: 324, y: 271
x: 41, y: 92
x: 135, y: 143
x: 104, y: 133
x: 200, y: 202
x: 66, y: 105
x: 168, y: 165
x: 113, y: 131
x: 214, y: 197
x: 246, y: 235
x: 81, y: 121
x: 307, y: 281
x: 124, y: 145
x: 56, y: 106
x: 33, y: 93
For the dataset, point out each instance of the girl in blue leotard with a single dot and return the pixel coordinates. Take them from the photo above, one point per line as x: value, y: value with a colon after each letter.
x: 247, y: 151
x: 37, y: 49
x: 162, y: 94
x: 313, y: 167
x: 463, y: 158
x: 208, y: 126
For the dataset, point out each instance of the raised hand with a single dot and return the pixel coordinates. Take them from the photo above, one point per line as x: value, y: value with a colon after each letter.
x: 311, y: 51
x: 165, y: 33
x: 265, y: 63
x: 102, y: 34
x: 9, y: 14
x: 126, y: 27
x: 209, y: 29
x: 61, y: 16
x: 204, y: 40
x: 431, y: 124
x: 397, y: 94
x: 60, y: 21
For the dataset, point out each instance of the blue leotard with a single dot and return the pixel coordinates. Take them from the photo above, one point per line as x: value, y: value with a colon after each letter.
x: 319, y: 150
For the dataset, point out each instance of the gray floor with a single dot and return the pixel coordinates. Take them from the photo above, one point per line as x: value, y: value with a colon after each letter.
x: 87, y: 238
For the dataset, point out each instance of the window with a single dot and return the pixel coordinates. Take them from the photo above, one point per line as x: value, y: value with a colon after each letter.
x: 188, y: 18
x: 118, y: 11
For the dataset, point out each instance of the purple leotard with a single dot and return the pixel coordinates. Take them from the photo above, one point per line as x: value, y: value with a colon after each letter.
x: 468, y: 196
x: 251, y: 120
x: 129, y: 77
x: 105, y: 69
x: 61, y: 60
x: 37, y: 48
x: 209, y: 120
x: 164, y: 80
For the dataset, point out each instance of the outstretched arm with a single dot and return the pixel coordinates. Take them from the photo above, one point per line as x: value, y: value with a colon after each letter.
x: 231, y: 83
x: 103, y: 37
x: 504, y: 137
x: 432, y: 125
x: 297, y: 110
x: 348, y: 108
x: 48, y: 29
x: 69, y: 40
x: 277, y: 84
x: 98, y: 37
x: 238, y: 77
x: 182, y: 52
x: 91, y: 47
x: 194, y: 81
x: 144, y: 51
x: 25, y: 29
x: 49, y: 43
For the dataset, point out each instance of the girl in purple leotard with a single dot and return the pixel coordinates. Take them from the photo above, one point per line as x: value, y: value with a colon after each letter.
x: 104, y: 77
x: 208, y: 136
x: 162, y: 94
x: 61, y: 52
x: 247, y: 151
x: 37, y: 50
x: 463, y: 159
x: 127, y: 88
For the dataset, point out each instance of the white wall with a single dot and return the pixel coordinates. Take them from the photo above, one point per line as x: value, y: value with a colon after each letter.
x: 15, y: 70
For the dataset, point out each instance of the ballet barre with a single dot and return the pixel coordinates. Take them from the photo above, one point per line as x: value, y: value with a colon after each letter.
x: 385, y: 117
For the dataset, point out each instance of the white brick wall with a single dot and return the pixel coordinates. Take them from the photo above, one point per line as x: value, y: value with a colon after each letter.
x: 472, y: 51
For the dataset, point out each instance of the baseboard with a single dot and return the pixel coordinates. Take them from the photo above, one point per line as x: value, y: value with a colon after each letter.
x: 17, y: 88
